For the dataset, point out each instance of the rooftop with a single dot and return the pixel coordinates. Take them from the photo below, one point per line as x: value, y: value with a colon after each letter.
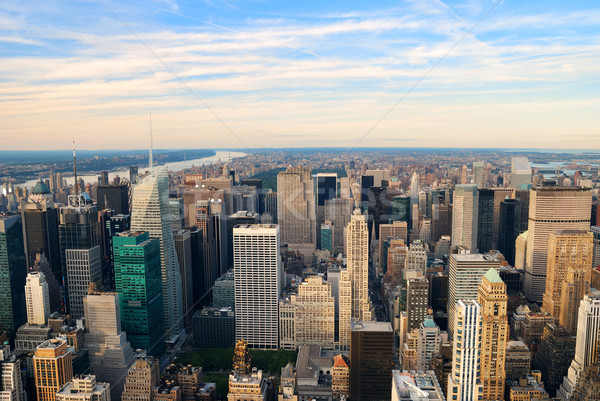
x: 364, y: 325
x: 492, y: 276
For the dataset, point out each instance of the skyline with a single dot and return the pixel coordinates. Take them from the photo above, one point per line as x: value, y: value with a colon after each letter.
x: 286, y: 75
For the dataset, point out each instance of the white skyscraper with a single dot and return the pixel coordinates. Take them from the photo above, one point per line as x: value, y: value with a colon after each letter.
x: 464, y: 382
x: 478, y: 176
x: 588, y: 342
x: 84, y: 266
x: 150, y: 212
x: 520, y: 172
x: 357, y: 239
x: 465, y: 212
x: 37, y: 298
x: 551, y: 209
x: 258, y: 282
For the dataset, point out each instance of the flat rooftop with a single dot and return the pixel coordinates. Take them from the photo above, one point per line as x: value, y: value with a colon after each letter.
x: 364, y: 325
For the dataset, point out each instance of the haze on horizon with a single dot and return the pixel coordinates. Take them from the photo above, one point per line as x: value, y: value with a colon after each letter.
x: 282, y: 74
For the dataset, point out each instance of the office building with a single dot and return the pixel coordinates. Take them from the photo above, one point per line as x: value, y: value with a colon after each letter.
x: 40, y: 227
x: 588, y: 386
x: 500, y: 195
x: 371, y: 349
x: 551, y: 209
x: 133, y: 174
x: 388, y: 232
x: 465, y: 215
x: 271, y: 206
x: 417, y: 291
x: 214, y: 327
x: 429, y: 340
x: 517, y: 361
x: 339, y: 211
x: 464, y: 382
x: 115, y: 197
x: 142, y: 377
x: 555, y: 353
x: 149, y: 212
x: 397, y: 253
x: 340, y: 376
x: 478, y: 174
x: 111, y: 224
x: 411, y: 385
x: 110, y: 353
x: 528, y: 388
x: 485, y: 220
x: 327, y: 239
x: 224, y: 291
x: 245, y: 198
x: 83, y: 268
x: 84, y: 388
x: 12, y: 274
x: 587, y: 347
x: 53, y: 367
x: 183, y: 249
x: 494, y: 334
x: 37, y: 298
x: 258, y: 282
x: 508, y: 232
x: 138, y: 282
x: 464, y: 276
x: 296, y: 207
x: 245, y: 383
x: 441, y: 221
x: 520, y: 172
x: 42, y: 265
x: 357, y: 240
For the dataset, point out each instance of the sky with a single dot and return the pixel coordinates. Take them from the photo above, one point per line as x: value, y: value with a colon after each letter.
x: 245, y: 74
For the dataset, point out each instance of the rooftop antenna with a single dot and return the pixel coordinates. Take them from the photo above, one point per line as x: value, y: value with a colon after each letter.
x: 150, y: 157
x: 75, y: 168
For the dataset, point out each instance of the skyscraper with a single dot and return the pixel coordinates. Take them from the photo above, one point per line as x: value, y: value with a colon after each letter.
x: 357, y: 239
x: 551, y: 209
x: 296, y: 207
x: 465, y: 215
x: 485, y: 220
x: 478, y: 176
x: 150, y: 212
x: 465, y: 272
x: 37, y: 298
x: 568, y: 274
x: 83, y: 268
x: 258, y: 282
x: 42, y: 265
x: 587, y: 346
x: 53, y: 367
x: 183, y: 247
x: 520, y: 172
x: 114, y: 197
x: 84, y: 388
x: 13, y: 272
x: 138, y: 282
x: 416, y: 302
x: 494, y: 334
x: 110, y: 353
x: 338, y: 211
x: 464, y: 382
x: 142, y: 377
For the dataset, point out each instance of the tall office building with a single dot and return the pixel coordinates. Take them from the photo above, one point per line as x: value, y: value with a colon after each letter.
x: 485, y: 220
x: 465, y: 272
x: 555, y: 353
x: 428, y: 343
x: 500, y: 194
x: 478, y: 174
x: 344, y: 314
x: 149, y: 212
x: 142, y: 377
x: 520, y: 172
x: 568, y: 274
x: 587, y: 347
x: 40, y: 227
x: 357, y: 239
x: 417, y: 290
x: 138, y: 282
x: 465, y: 215
x: 115, y: 197
x: 133, y: 174
x: 464, y: 382
x: 84, y: 267
x: 325, y: 189
x: 258, y: 282
x: 110, y: 353
x: 111, y: 224
x: 13, y: 274
x: 388, y: 232
x: 508, y: 230
x: 53, y: 367
x: 37, y: 298
x: 183, y: 248
x: 296, y: 207
x: 42, y: 265
x: 551, y: 209
x: 371, y: 349
x: 12, y: 388
x: 441, y: 221
x: 494, y: 334
x: 339, y: 211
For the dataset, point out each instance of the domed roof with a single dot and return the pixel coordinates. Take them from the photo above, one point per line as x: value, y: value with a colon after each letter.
x: 40, y: 188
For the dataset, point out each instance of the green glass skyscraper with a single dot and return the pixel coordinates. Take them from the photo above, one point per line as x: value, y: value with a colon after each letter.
x: 13, y: 273
x: 138, y: 282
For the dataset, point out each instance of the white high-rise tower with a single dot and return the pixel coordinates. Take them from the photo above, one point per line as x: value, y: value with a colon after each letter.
x: 150, y: 212
x: 258, y: 282
x: 465, y: 212
x: 37, y: 297
x: 357, y: 238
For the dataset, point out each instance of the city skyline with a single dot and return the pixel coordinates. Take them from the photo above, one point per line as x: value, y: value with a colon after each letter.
x: 274, y: 74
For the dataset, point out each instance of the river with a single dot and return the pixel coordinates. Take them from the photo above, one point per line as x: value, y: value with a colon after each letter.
x: 219, y: 155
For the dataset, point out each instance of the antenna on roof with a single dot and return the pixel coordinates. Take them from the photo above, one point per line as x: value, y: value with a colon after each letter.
x: 75, y: 168
x: 151, y: 161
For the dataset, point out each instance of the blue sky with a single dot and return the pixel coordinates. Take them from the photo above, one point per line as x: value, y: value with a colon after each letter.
x: 475, y: 73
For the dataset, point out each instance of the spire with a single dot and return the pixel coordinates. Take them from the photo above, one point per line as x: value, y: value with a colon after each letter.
x: 75, y: 169
x: 151, y: 161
